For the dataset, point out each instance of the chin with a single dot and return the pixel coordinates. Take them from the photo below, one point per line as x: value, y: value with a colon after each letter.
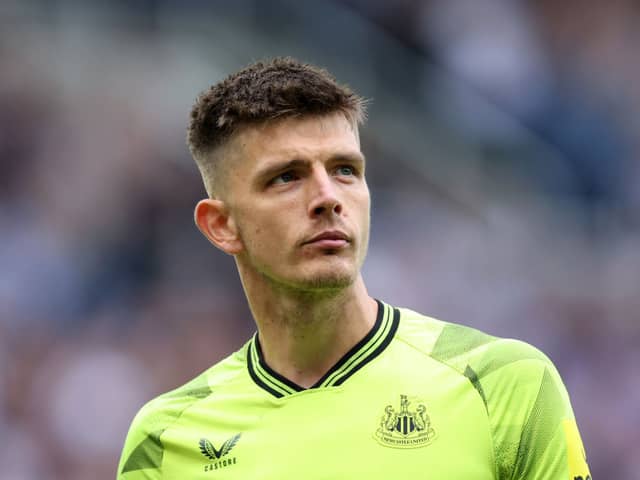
x: 316, y: 277
x: 329, y: 282
x: 331, y: 278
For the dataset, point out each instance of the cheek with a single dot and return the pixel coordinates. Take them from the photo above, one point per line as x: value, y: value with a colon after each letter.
x: 261, y: 230
x: 364, y: 202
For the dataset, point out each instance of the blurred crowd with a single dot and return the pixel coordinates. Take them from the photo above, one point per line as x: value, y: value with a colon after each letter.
x: 109, y: 295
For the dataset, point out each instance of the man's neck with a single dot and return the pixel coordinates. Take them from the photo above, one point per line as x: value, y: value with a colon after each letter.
x: 303, y: 334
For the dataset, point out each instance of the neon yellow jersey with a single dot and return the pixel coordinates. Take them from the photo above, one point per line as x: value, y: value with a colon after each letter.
x: 416, y: 398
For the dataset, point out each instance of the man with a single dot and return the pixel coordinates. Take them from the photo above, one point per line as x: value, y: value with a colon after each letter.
x: 334, y: 384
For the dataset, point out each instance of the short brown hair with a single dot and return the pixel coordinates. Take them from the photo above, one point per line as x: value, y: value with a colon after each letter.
x: 263, y: 91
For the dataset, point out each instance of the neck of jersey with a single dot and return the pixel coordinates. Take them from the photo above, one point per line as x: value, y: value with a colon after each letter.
x: 363, y: 352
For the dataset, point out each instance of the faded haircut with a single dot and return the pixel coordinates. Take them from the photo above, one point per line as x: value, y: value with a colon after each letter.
x: 260, y: 92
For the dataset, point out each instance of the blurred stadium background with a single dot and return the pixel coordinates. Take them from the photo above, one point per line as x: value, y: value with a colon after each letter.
x: 503, y: 148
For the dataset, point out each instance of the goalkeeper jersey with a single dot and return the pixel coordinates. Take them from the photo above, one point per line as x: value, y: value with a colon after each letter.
x: 416, y: 398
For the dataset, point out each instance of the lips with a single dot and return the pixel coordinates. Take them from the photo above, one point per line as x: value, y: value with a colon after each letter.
x: 329, y: 239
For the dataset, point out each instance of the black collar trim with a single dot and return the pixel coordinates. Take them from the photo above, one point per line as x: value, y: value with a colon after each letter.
x: 372, y: 345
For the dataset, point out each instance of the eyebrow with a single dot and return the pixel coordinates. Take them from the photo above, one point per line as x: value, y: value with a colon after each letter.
x: 357, y: 157
x: 272, y: 170
x: 269, y: 171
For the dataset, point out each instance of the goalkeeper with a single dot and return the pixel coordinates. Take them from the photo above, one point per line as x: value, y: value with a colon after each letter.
x: 334, y: 384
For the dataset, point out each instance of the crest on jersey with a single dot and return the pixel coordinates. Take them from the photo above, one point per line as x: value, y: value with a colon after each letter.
x: 405, y: 427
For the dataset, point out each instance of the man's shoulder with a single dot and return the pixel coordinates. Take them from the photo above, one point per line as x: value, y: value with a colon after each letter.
x: 527, y: 406
x: 165, y: 408
x: 143, y: 446
x: 463, y: 347
x: 497, y: 367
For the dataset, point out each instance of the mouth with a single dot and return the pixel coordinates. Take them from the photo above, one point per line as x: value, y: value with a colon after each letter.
x: 329, y: 239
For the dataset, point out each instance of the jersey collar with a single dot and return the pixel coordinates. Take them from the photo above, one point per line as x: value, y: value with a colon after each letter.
x: 363, y: 352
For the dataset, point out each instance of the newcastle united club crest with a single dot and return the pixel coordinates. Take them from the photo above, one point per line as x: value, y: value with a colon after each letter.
x: 405, y: 428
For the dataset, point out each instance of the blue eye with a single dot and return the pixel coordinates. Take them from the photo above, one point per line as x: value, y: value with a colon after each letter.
x: 346, y: 170
x: 285, y: 177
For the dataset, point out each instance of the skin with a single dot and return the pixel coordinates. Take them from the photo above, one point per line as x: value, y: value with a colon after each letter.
x: 286, y: 183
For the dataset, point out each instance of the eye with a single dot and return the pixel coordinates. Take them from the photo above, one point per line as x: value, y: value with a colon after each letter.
x: 283, y: 178
x: 346, y: 170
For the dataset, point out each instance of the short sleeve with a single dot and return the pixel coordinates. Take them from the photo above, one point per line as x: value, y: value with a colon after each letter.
x: 533, y: 426
x: 141, y: 457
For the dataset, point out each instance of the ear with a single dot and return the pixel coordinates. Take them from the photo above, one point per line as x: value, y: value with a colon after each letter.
x: 215, y: 223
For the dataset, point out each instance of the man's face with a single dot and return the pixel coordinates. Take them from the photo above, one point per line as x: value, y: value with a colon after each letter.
x: 296, y: 192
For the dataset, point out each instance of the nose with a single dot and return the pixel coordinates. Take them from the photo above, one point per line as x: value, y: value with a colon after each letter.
x: 324, y: 196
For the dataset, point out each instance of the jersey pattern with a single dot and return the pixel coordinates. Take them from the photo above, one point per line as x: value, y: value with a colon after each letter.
x: 416, y: 398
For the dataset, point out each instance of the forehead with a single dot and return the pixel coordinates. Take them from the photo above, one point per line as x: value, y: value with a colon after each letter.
x: 301, y: 137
